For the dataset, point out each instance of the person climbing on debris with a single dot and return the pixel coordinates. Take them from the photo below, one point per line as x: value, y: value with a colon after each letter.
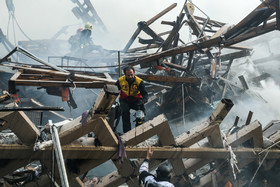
x: 74, y: 40
x: 133, y: 95
x: 86, y: 42
x: 163, y: 173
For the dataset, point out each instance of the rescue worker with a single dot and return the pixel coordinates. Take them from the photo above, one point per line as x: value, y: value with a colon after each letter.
x: 85, y: 37
x: 163, y: 173
x: 74, y: 40
x: 133, y: 95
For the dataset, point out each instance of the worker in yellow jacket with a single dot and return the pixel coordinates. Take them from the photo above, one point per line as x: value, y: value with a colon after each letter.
x: 133, y: 95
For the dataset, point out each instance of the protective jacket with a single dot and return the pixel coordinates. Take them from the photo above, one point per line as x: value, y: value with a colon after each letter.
x: 131, y: 91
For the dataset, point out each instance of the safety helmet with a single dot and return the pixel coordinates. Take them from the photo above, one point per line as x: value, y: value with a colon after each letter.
x: 164, y: 172
x: 88, y: 26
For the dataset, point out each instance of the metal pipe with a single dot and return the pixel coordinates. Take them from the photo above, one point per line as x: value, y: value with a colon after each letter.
x: 59, y: 156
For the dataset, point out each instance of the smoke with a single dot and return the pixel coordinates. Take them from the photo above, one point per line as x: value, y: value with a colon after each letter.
x: 41, y: 19
x: 271, y: 93
x: 263, y: 99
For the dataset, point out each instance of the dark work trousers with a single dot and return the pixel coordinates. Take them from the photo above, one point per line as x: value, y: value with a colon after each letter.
x: 125, y: 107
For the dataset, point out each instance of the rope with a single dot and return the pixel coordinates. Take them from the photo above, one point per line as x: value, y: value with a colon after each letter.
x: 21, y: 28
x: 15, y: 40
x: 11, y: 9
x: 233, y: 161
x: 267, y: 151
x: 258, y: 169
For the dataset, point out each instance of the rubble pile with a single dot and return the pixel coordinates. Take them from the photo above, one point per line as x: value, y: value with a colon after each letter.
x: 184, y: 79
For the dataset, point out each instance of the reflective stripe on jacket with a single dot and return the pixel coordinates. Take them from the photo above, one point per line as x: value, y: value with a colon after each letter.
x: 130, y: 92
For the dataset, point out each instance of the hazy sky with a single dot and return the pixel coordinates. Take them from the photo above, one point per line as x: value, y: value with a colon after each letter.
x: 41, y: 19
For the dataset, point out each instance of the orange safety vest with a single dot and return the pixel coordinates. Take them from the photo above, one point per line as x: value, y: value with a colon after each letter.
x: 130, y: 92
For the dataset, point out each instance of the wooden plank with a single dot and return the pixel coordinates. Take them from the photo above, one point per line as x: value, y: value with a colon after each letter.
x: 98, y: 125
x: 125, y: 169
x: 105, y: 100
x: 253, y: 130
x: 7, y: 116
x: 254, y: 32
x: 101, y: 107
x: 138, y: 30
x: 177, y: 50
x: 195, y: 26
x: 171, y: 37
x: 249, y: 117
x: 206, y: 128
x: 20, y: 124
x: 11, y: 83
x: 215, y: 138
x: 243, y: 83
x: 220, y: 112
x: 239, y: 47
x: 108, y: 76
x: 159, y: 78
x: 226, y: 57
x: 156, y: 17
x: 167, y: 152
x: 133, y: 50
x: 166, y: 138
x: 175, y: 66
x: 101, y: 128
x: 65, y: 75
x: 221, y: 31
x: 149, y: 32
x: 195, y: 135
x: 253, y: 19
x: 145, y: 131
x: 247, y: 132
x: 77, y: 181
x: 45, y: 83
x: 275, y: 137
x: 113, y: 179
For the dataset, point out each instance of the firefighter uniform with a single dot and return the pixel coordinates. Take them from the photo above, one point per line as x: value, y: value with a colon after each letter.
x: 132, y: 96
